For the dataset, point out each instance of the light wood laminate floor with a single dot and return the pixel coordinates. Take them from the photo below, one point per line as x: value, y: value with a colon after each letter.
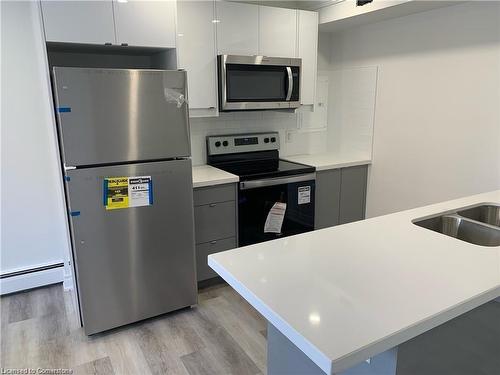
x: 223, y: 334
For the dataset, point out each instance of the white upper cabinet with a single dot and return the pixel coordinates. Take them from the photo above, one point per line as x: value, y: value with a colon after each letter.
x: 137, y: 23
x: 277, y: 32
x: 196, y: 53
x: 145, y: 23
x: 237, y: 28
x: 308, y: 52
x: 78, y: 21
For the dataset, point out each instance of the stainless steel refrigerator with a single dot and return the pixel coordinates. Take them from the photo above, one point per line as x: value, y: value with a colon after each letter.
x: 124, y: 140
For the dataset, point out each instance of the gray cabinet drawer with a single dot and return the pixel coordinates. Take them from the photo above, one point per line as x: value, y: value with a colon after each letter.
x: 203, y: 250
x: 214, y: 221
x: 212, y: 194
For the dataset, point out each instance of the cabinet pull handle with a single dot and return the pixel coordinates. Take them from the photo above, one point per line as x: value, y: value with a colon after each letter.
x: 199, y: 107
x: 125, y: 44
x: 213, y: 242
x: 212, y: 204
x: 107, y: 44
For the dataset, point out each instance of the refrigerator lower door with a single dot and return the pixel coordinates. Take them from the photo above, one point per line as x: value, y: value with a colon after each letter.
x: 138, y: 262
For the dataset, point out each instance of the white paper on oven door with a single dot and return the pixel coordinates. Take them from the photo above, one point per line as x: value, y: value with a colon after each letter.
x: 304, y: 194
x: 275, y: 218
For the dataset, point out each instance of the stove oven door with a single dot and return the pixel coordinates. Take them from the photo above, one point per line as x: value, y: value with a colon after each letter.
x: 258, y: 197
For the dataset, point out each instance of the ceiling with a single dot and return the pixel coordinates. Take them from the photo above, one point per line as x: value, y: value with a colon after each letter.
x: 301, y: 4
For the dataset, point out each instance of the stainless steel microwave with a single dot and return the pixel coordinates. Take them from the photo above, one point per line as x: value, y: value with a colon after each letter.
x: 258, y: 82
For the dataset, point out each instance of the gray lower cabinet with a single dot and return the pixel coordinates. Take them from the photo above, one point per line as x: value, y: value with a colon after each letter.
x: 340, y: 196
x: 327, y: 198
x: 215, y: 224
x: 203, y: 250
x: 353, y: 194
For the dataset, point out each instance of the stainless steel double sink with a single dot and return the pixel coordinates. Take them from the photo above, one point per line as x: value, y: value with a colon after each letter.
x: 479, y: 225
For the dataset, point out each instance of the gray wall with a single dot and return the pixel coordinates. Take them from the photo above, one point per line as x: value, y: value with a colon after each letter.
x: 437, y: 117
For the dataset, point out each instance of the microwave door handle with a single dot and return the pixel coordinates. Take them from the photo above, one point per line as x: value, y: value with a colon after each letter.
x: 290, y: 83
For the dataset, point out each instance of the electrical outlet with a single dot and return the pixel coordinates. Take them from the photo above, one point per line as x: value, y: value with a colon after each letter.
x: 290, y: 134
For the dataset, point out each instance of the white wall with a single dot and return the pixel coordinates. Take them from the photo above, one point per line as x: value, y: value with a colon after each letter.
x: 32, y: 213
x: 437, y: 118
x: 324, y: 51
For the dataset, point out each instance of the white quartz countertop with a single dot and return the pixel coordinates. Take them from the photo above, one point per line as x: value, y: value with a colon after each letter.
x: 346, y: 293
x: 206, y: 175
x: 328, y: 160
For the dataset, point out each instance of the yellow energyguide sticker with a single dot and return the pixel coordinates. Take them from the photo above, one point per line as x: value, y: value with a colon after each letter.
x: 116, y: 193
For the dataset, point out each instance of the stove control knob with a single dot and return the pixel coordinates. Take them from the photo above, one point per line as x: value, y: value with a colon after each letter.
x: 273, y: 139
x: 266, y: 140
x: 225, y: 143
x: 217, y: 144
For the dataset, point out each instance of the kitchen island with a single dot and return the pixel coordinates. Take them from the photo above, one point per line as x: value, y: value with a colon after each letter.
x: 341, y: 299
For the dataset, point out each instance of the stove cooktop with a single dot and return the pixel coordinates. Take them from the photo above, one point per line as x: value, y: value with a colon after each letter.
x: 251, y: 156
x: 257, y: 169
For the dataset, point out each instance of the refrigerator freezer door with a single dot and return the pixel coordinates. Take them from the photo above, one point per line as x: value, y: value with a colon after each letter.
x: 121, y: 115
x: 133, y: 263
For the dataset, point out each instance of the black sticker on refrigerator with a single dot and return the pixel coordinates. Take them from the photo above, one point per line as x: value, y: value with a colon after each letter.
x: 304, y: 194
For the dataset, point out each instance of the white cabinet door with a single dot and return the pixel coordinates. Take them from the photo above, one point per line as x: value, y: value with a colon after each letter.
x: 78, y: 21
x: 237, y: 28
x: 196, y: 52
x: 277, y: 32
x: 145, y: 23
x: 308, y: 52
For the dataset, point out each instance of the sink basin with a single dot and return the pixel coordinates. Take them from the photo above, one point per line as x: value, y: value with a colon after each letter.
x: 487, y: 213
x: 463, y: 229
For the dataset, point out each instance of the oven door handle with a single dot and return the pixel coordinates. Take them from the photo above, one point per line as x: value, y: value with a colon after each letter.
x: 254, y: 184
x: 290, y: 83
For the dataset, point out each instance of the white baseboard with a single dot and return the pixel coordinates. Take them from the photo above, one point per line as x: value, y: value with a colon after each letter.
x: 31, y: 280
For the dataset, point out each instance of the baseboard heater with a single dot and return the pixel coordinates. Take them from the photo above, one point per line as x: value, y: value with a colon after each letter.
x: 31, y: 270
x: 35, y: 277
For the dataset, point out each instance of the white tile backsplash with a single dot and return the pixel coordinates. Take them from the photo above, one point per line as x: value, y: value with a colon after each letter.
x: 250, y: 122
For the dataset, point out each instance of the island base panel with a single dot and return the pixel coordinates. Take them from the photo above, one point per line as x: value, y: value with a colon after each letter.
x: 283, y: 357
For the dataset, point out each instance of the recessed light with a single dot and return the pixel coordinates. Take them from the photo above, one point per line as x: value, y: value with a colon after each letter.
x: 314, y: 318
